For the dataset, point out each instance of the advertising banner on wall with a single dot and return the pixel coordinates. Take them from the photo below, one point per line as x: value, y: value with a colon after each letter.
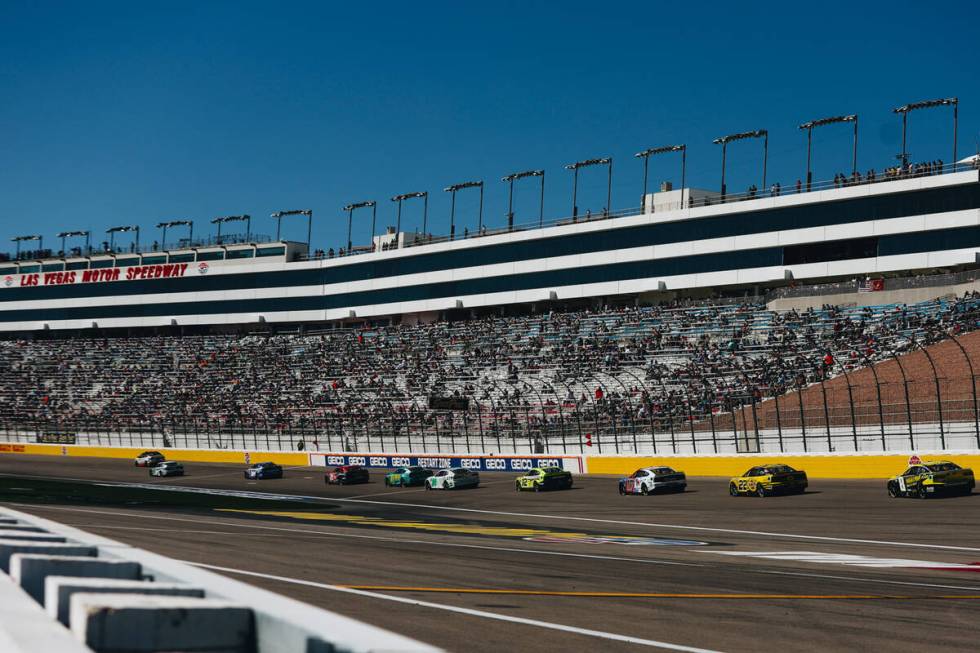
x: 477, y: 463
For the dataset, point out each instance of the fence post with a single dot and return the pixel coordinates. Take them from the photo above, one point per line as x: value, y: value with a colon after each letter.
x: 850, y: 401
x: 690, y: 418
x: 799, y: 395
x: 779, y: 424
x: 939, y: 399
x: 826, y: 415
x: 973, y: 387
x: 881, y: 410
x: 908, y: 404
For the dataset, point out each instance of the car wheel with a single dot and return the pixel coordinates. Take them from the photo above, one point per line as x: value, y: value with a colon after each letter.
x: 517, y: 487
x: 644, y: 490
x: 760, y: 491
x: 893, y: 490
x: 922, y: 493
x: 537, y: 487
x: 733, y: 489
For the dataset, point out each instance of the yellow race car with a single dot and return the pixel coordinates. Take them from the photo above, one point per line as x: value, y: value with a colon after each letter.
x: 923, y: 479
x: 766, y: 480
x: 545, y: 478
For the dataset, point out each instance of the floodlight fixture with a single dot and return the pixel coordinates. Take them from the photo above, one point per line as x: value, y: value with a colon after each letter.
x: 350, y: 208
x: 175, y: 223
x: 246, y: 218
x: 574, y: 167
x: 279, y: 215
x: 510, y: 179
x: 452, y: 206
x: 725, y: 140
x: 927, y: 104
x: 665, y: 149
x: 808, y: 126
x: 74, y: 234
x: 409, y: 196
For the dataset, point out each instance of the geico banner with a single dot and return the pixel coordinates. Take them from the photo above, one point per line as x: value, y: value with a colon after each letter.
x: 478, y: 463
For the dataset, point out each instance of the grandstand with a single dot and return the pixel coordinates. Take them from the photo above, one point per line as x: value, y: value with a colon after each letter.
x: 700, y: 322
x: 704, y: 378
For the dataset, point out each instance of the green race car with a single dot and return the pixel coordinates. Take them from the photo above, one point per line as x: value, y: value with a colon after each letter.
x: 407, y: 476
x: 923, y: 479
x: 545, y: 478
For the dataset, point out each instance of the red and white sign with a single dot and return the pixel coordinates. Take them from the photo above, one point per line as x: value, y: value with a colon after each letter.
x: 166, y: 271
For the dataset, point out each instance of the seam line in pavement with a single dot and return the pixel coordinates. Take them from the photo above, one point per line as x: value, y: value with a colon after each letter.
x: 466, y: 611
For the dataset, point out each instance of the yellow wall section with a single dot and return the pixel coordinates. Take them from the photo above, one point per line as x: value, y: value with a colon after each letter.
x: 186, y: 455
x: 815, y: 466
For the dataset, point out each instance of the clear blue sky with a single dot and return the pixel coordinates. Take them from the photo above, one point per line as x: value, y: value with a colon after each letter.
x: 137, y: 112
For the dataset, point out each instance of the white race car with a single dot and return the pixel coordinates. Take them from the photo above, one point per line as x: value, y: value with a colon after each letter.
x: 450, y: 479
x: 653, y: 479
x: 168, y: 468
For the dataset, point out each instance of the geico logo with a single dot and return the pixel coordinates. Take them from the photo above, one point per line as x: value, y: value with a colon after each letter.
x: 495, y: 463
x: 549, y: 462
x: 379, y: 462
x: 357, y: 460
x: 521, y: 463
x: 401, y: 462
x: 470, y: 463
x: 335, y: 460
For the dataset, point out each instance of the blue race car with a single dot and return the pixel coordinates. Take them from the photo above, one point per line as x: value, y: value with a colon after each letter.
x: 260, y: 471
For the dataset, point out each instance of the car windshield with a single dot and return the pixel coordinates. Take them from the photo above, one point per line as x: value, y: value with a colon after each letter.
x: 552, y: 470
x: 943, y: 467
x: 780, y: 469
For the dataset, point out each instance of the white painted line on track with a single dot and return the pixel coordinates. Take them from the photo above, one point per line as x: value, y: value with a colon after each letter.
x: 592, y: 520
x: 467, y: 611
x: 855, y: 579
x: 309, y: 531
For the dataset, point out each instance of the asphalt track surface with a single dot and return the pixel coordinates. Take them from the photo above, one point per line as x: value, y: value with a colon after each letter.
x: 842, y: 567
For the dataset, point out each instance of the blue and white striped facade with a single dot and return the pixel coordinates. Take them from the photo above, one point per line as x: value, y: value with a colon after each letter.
x: 906, y: 224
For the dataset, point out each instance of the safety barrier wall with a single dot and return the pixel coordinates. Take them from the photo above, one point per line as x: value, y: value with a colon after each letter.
x: 817, y: 465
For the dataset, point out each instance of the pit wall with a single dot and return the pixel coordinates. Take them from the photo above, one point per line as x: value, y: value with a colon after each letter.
x: 816, y: 465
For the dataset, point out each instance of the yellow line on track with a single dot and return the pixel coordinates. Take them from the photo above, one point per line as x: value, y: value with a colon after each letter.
x: 658, y: 595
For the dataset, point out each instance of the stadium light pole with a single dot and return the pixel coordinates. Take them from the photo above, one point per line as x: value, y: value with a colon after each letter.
x: 246, y: 218
x: 808, y: 126
x: 646, y: 154
x: 574, y: 167
x: 927, y: 104
x: 72, y: 234
x: 452, y: 206
x: 279, y: 215
x: 350, y: 208
x: 20, y: 239
x: 725, y: 140
x: 409, y: 196
x: 112, y: 231
x: 174, y: 223
x: 510, y: 179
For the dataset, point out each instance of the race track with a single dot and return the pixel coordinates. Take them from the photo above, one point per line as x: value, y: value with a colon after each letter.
x: 842, y: 567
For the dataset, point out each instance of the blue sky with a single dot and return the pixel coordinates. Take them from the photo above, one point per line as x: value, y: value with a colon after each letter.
x: 137, y: 112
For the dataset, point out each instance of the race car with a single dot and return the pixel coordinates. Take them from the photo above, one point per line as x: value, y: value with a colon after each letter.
x: 653, y: 479
x: 167, y: 468
x: 930, y: 478
x: 452, y: 479
x: 149, y: 459
x: 545, y: 478
x: 260, y: 471
x: 346, y: 475
x: 407, y: 476
x: 766, y: 480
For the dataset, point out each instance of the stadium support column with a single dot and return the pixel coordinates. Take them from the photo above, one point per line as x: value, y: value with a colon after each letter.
x: 541, y: 209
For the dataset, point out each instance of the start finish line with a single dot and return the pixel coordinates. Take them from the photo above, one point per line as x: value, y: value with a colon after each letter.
x: 477, y: 463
